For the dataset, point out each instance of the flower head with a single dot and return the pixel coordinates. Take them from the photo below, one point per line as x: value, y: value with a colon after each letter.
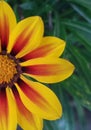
x: 25, y: 52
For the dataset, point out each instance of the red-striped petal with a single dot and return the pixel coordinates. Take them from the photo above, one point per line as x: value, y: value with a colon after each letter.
x: 26, y: 119
x: 7, y: 23
x: 39, y: 99
x: 48, y: 69
x: 3, y: 110
x: 7, y: 111
x: 26, y: 36
x: 50, y: 46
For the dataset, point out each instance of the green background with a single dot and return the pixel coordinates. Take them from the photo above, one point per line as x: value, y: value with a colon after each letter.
x: 71, y: 21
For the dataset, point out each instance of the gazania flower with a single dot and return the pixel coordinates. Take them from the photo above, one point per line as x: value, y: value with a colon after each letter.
x: 24, y: 52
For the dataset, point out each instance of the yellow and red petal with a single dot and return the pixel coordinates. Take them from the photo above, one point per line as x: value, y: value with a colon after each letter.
x: 26, y: 36
x: 48, y: 69
x: 26, y: 119
x: 39, y: 99
x: 7, y: 23
x: 7, y: 111
x: 50, y: 46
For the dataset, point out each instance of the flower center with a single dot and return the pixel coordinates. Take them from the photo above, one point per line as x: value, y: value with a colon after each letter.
x: 7, y: 69
x: 10, y: 70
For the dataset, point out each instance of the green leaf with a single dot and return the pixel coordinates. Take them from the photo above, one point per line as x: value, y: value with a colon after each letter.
x: 79, y: 89
x: 81, y: 12
x: 82, y: 26
x: 84, y: 3
x: 28, y: 5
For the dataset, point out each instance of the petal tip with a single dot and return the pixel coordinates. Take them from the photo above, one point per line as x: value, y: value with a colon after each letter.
x: 73, y: 68
x: 38, y: 18
x: 58, y: 114
x: 64, y: 42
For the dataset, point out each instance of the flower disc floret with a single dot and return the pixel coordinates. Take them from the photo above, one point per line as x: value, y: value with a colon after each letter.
x: 7, y: 69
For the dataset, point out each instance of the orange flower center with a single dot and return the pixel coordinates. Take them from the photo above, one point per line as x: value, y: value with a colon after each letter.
x: 7, y: 69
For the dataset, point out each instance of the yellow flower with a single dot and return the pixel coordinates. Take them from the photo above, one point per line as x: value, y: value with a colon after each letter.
x: 25, y: 52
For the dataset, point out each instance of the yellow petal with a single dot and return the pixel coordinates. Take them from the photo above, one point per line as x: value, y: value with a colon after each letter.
x: 48, y: 69
x: 39, y: 99
x: 26, y: 36
x: 7, y: 111
x: 50, y: 46
x: 26, y: 119
x: 30, y: 121
x: 12, y: 123
x: 7, y: 23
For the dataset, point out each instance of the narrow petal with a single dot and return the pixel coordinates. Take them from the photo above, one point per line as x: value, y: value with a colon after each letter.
x: 7, y: 111
x: 3, y: 110
x: 7, y: 23
x: 26, y: 119
x: 48, y: 70
x: 50, y: 46
x: 39, y: 99
x: 12, y: 124
x: 26, y: 36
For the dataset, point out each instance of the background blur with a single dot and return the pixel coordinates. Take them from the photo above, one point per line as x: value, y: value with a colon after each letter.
x: 71, y: 21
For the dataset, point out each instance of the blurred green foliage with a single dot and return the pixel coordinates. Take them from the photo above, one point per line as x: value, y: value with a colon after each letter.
x: 71, y: 21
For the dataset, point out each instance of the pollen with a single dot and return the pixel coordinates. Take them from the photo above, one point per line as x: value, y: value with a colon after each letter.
x: 7, y: 69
